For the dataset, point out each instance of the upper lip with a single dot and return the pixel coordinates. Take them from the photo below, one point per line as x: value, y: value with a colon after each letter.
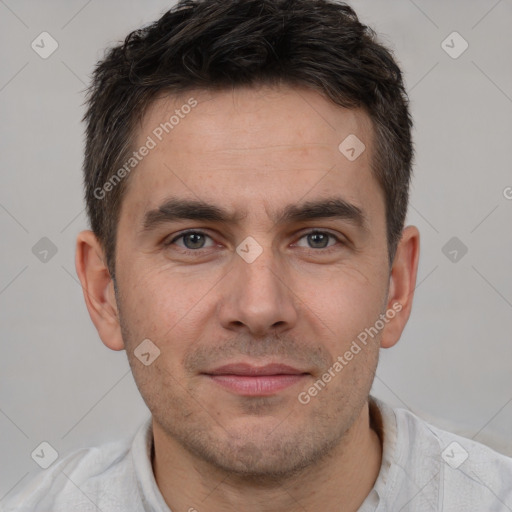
x: 249, y: 369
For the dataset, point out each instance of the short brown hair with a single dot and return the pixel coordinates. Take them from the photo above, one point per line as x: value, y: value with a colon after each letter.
x: 212, y: 44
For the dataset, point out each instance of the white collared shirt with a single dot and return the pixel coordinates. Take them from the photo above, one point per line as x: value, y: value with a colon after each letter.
x: 424, y: 469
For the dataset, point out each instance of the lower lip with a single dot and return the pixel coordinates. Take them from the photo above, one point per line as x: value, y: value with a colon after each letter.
x: 256, y: 385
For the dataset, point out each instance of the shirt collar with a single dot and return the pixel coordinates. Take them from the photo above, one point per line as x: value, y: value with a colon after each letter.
x: 142, y: 448
x: 382, y: 420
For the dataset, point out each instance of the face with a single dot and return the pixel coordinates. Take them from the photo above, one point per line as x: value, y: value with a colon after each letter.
x: 252, y: 297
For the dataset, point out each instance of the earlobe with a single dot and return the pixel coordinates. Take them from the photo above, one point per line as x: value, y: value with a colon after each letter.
x: 402, y: 284
x: 98, y: 289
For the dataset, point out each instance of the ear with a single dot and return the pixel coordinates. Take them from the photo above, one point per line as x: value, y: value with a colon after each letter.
x: 98, y: 289
x: 401, y: 285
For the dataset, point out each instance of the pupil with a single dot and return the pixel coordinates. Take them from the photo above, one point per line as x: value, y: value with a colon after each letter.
x: 318, y: 235
x: 192, y: 236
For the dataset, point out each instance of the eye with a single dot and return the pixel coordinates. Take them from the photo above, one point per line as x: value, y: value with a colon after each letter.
x: 192, y: 240
x: 319, y: 239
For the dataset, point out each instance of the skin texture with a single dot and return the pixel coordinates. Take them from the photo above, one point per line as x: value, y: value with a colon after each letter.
x: 301, y: 302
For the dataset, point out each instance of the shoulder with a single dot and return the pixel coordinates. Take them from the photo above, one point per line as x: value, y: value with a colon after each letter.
x: 88, y: 479
x: 469, y: 473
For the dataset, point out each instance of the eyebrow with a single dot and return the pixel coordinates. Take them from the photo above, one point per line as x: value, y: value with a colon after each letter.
x: 180, y: 209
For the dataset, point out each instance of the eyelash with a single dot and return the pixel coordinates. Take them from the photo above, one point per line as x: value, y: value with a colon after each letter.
x: 186, y: 251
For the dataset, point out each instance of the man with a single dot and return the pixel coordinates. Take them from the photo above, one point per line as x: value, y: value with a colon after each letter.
x: 247, y: 170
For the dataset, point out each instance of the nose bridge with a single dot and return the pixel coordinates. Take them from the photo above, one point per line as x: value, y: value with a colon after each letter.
x: 258, y: 296
x: 260, y: 275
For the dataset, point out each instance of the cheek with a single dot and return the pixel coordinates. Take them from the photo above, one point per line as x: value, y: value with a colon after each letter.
x: 345, y: 303
x: 165, y: 305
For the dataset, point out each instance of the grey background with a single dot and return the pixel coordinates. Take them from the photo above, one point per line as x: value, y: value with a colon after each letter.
x: 60, y: 384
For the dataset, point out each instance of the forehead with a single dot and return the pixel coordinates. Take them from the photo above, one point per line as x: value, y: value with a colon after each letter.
x: 252, y: 148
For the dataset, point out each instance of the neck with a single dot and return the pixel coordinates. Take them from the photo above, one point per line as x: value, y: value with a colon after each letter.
x: 341, y: 481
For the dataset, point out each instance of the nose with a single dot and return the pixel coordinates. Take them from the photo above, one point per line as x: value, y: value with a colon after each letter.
x: 258, y: 297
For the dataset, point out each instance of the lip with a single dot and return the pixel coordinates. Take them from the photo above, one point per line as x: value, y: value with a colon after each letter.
x: 251, y: 370
x: 248, y: 380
